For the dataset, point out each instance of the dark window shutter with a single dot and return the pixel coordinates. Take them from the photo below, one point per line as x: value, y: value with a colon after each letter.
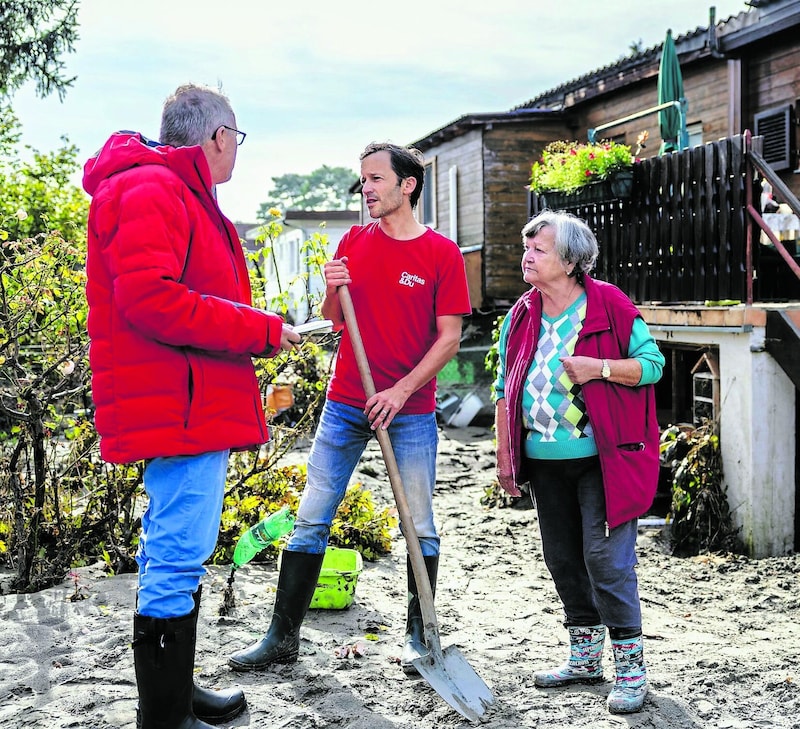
x: 776, y: 127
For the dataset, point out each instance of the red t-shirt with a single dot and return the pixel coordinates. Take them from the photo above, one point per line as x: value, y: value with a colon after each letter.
x: 398, y: 288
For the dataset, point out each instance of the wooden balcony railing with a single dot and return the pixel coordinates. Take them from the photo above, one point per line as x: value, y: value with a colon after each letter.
x: 690, y: 230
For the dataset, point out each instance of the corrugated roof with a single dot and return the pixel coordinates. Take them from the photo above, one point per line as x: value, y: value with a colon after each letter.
x: 469, y: 121
x: 644, y: 64
x: 761, y: 19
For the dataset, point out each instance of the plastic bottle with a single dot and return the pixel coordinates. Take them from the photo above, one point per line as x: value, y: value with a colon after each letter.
x: 261, y: 535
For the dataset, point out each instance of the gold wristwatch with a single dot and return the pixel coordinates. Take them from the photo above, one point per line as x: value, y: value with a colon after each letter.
x: 605, y: 373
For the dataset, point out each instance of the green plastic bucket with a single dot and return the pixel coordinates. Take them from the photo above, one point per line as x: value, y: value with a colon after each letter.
x: 337, y: 581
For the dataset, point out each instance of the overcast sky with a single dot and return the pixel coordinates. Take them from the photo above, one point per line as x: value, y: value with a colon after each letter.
x: 312, y: 81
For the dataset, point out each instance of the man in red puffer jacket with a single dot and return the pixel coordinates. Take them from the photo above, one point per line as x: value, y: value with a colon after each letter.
x: 173, y: 331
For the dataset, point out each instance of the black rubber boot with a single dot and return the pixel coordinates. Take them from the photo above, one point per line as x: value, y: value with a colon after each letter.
x: 414, y: 644
x: 296, y: 584
x: 163, y: 655
x: 211, y: 706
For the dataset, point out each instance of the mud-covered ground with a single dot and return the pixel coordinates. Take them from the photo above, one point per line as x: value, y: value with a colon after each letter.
x: 721, y: 634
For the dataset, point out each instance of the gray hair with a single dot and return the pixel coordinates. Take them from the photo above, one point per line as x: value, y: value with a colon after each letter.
x: 574, y: 241
x: 192, y: 114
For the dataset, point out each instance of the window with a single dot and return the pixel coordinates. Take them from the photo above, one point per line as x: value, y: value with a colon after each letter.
x: 426, y: 207
x: 695, y: 132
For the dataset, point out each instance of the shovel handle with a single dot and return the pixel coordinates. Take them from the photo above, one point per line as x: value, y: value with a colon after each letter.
x: 409, y: 530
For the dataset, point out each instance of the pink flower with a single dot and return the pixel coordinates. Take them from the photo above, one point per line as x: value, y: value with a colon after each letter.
x: 588, y: 173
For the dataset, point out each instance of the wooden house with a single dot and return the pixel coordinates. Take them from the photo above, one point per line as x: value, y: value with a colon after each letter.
x: 742, y: 73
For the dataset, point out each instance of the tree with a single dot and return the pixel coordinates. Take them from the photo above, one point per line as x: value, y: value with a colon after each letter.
x: 635, y: 48
x: 34, y: 34
x: 326, y: 188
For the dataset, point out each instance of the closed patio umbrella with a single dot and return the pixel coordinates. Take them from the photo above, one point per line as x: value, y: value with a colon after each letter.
x: 672, y: 122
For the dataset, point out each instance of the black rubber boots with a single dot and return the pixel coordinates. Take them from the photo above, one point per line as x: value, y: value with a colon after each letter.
x: 296, y: 584
x: 414, y: 644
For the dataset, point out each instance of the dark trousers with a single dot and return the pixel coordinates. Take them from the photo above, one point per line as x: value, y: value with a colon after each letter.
x: 594, y: 574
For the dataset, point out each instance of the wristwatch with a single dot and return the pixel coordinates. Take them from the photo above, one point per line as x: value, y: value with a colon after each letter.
x: 605, y: 373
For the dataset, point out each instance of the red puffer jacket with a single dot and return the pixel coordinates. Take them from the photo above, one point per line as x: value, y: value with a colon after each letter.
x: 171, y: 324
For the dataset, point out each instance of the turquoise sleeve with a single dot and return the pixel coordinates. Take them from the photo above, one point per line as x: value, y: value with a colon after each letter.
x: 499, y: 386
x: 643, y: 348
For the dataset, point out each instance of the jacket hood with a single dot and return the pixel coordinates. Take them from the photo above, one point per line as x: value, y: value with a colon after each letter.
x: 125, y: 150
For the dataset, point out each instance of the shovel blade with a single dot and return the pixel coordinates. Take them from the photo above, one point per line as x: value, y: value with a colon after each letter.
x: 456, y: 682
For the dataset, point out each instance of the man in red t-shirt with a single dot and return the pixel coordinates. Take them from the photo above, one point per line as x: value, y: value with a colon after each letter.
x: 409, y: 289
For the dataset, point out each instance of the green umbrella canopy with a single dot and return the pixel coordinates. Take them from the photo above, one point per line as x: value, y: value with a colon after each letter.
x: 670, y: 88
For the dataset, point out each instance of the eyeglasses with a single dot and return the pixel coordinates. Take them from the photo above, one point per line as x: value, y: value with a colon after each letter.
x: 239, y: 135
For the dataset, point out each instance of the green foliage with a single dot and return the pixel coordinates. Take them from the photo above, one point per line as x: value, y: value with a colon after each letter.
x: 250, y: 500
x: 60, y: 506
x: 286, y: 297
x: 36, y: 194
x: 492, y: 360
x: 566, y: 166
x: 326, y: 188
x: 357, y: 524
x: 34, y: 34
x: 43, y: 339
x: 699, y: 518
x: 306, y: 368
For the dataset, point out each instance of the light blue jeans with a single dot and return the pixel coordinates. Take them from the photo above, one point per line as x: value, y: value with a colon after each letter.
x: 342, y: 435
x: 179, y: 530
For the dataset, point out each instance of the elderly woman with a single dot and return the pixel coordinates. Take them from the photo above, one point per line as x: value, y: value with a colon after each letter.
x: 576, y: 418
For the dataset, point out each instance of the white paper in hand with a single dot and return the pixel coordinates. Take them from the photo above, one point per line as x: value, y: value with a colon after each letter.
x: 310, y: 328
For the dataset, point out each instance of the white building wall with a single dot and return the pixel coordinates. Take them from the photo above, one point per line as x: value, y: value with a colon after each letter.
x: 757, y: 440
x: 757, y: 434
x: 287, y: 264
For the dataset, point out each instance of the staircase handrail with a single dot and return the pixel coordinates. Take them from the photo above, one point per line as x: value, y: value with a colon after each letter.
x: 756, y: 162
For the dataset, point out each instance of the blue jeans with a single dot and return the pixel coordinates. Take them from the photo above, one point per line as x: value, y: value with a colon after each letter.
x: 342, y: 435
x: 179, y: 530
x: 594, y: 574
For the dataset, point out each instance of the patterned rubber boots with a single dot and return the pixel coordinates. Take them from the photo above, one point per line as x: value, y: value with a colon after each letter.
x: 584, y: 664
x: 630, y: 687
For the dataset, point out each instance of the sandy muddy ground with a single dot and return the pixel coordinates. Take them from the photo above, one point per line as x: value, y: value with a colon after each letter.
x: 721, y: 634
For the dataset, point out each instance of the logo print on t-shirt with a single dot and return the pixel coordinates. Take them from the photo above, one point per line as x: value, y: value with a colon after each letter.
x: 409, y: 279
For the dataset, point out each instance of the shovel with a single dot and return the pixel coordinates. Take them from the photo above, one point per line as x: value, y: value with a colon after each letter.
x: 446, y: 671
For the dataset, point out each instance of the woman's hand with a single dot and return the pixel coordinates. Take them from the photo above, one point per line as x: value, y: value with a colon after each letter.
x: 505, y: 476
x: 581, y: 370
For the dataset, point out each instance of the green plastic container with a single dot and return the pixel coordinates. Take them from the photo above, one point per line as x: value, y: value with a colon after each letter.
x: 337, y: 581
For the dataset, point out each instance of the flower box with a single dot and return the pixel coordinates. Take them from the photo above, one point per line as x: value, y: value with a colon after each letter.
x: 570, y: 174
x: 616, y: 187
